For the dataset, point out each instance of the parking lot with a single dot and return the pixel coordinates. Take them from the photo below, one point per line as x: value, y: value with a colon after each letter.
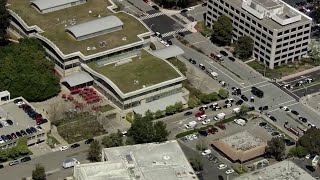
x: 257, y: 127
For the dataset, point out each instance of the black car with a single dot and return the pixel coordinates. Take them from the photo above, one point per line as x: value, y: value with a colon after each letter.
x: 42, y: 121
x: 1, y: 166
x: 23, y: 132
x: 28, y: 131
x: 9, y: 122
x: 155, y: 7
x: 1, y: 125
x: 231, y: 58
x: 88, y: 141
x: 17, y: 100
x: 188, y: 113
x: 74, y: 145
x: 244, y: 97
x: 275, y: 133
x: 224, y: 53
x: 183, y: 11
x: 181, y: 34
x: 239, y: 102
x: 265, y: 108
x: 25, y: 159
x: 18, y: 134
x: 9, y: 137
x: 294, y: 112
x: 303, y: 119
x: 13, y: 135
x: 203, y: 133
x: 273, y: 118
x: 262, y: 124
x: 216, y: 108
x: 220, y: 177
x: 192, y: 61
x: 3, y: 137
x: 252, y: 108
x: 34, y: 130
x: 169, y: 42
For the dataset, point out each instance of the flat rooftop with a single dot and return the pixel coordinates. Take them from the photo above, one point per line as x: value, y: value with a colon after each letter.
x: 268, y: 21
x: 20, y: 119
x: 243, y: 140
x: 54, y: 24
x: 279, y: 171
x: 267, y: 3
x: 152, y: 161
x: 137, y: 72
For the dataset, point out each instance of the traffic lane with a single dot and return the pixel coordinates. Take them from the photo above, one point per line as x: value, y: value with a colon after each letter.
x: 197, y: 13
x: 226, y: 76
x: 286, y: 91
x: 162, y: 24
x: 51, y: 162
x: 129, y: 7
x: 303, y: 111
x: 309, y: 90
x: 315, y: 74
x: 141, y: 5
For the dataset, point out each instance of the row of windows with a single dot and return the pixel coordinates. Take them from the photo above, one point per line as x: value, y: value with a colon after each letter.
x: 293, y: 29
x: 290, y: 54
x: 293, y: 41
x: 291, y: 48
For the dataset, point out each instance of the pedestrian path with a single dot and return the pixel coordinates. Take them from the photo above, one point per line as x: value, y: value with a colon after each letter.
x: 174, y: 32
x: 152, y: 15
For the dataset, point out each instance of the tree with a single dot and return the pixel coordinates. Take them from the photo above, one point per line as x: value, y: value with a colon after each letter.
x: 178, y: 106
x: 158, y: 114
x: 112, y: 140
x: 4, y: 22
x: 223, y: 93
x: 276, y: 148
x: 314, y: 51
x: 243, y: 47
x: 143, y: 130
x: 196, y: 163
x: 310, y: 141
x: 148, y: 114
x: 39, y: 173
x: 316, y: 15
x: 298, y: 151
x: 3, y: 156
x: 22, y: 146
x: 26, y: 72
x: 202, y: 144
x: 94, y: 151
x: 222, y: 31
x: 243, y: 110
x: 170, y: 110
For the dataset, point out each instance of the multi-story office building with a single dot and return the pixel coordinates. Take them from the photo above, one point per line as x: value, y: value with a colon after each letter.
x: 281, y: 33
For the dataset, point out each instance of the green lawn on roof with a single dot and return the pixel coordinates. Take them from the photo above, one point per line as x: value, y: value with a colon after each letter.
x: 53, y: 24
x: 149, y: 70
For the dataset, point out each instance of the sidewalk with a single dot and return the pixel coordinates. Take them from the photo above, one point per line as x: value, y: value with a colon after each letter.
x: 54, y: 133
x: 300, y: 73
x: 304, y: 101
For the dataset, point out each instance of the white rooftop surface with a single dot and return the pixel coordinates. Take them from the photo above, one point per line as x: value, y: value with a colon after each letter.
x: 243, y: 140
x: 278, y: 171
x: 95, y: 26
x: 164, y: 161
x: 47, y: 4
x: 77, y: 78
x: 159, y: 104
x: 168, y: 52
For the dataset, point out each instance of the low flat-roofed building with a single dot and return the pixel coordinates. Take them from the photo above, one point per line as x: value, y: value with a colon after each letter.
x: 45, y: 6
x: 152, y: 161
x: 21, y: 121
x: 284, y: 170
x: 95, y: 27
x: 241, y: 146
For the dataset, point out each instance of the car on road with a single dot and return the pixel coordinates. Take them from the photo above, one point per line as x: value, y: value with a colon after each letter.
x: 190, y: 8
x: 303, y: 119
x: 188, y: 113
x: 206, y: 152
x: 75, y: 145
x: 207, y: 121
x: 238, y: 103
x: 273, y: 118
x: 231, y: 58
x: 155, y: 7
x: 224, y: 53
x: 192, y: 61
x: 229, y: 171
x: 243, y: 97
x: 184, y: 11
x: 285, y: 108
x: 88, y: 141
x: 222, y: 166
x: 222, y: 83
x: 63, y: 148
x: 12, y: 163
x: 275, y: 133
x: 202, y: 66
x: 25, y: 159
x: 295, y: 112
x: 287, y: 86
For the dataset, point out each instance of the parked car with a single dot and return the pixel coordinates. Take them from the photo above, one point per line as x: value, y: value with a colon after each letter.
x: 63, y: 148
x: 229, y: 171
x: 221, y: 126
x: 295, y: 112
x: 206, y: 152
x: 275, y: 133
x: 192, y: 61
x: 285, y: 108
x: 207, y: 121
x: 1, y: 166
x: 12, y: 163
x: 18, y: 134
x: 262, y: 124
x: 202, y: 66
x: 229, y: 101
x: 203, y: 133
x: 273, y: 118
x: 303, y: 119
x: 183, y: 11
x: 243, y: 97
x: 155, y: 7
x: 188, y: 113
x: 227, y: 105
x: 13, y: 135
x: 75, y: 145
x: 239, y: 102
x: 39, y: 128
x: 24, y: 133
x: 222, y: 166
x: 9, y: 137
x: 34, y: 130
x: 9, y: 122
x: 25, y: 159
x: 88, y: 141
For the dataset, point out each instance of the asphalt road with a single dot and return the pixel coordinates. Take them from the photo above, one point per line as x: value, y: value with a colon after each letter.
x: 162, y: 24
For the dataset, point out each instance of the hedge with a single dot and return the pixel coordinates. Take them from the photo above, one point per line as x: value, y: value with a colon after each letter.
x: 237, y: 168
x: 195, y: 130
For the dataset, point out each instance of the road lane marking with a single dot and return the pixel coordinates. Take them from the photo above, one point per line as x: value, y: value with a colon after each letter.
x: 255, y: 84
x: 258, y: 87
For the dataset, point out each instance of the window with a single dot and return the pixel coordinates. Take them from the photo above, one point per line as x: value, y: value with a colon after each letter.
x: 256, y: 43
x: 248, y: 18
x: 306, y: 32
x: 232, y: 8
x: 268, y: 57
x: 299, y: 45
x: 254, y: 22
x: 304, y: 43
x: 263, y: 41
x: 277, y: 58
x: 307, y: 25
x: 269, y: 45
x: 290, y: 54
x: 237, y: 18
x: 258, y: 38
x: 227, y: 5
x: 293, y: 29
x: 278, y: 40
x: 215, y: 4
x: 241, y: 21
x: 291, y: 42
x: 269, y: 39
x: 306, y: 37
x: 256, y: 50
x: 283, y: 56
x: 296, y: 52
x: 247, y: 31
x: 247, y: 25
x: 300, y: 27
x: 220, y: 7
x: 262, y: 47
x: 265, y: 29
x: 304, y: 49
x: 259, y: 25
x: 292, y: 36
x: 235, y: 30
x: 270, y: 32
x: 243, y: 15
x: 210, y: 13
x: 230, y: 14
x: 268, y: 51
x: 290, y: 48
x: 298, y: 40
x: 221, y: 1
x: 226, y: 11
x: 286, y: 32
x: 251, y: 34
x: 286, y: 38
x: 278, y: 46
x: 278, y: 52
x: 262, y: 54
x: 235, y: 23
x: 237, y: 11
x: 264, y: 35
x: 285, y: 44
x: 280, y: 33
x: 284, y: 50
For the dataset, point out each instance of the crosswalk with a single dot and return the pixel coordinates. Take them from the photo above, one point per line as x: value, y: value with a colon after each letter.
x: 174, y: 32
x: 151, y: 16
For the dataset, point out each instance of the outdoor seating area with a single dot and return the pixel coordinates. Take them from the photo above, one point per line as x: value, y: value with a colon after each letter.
x: 88, y: 94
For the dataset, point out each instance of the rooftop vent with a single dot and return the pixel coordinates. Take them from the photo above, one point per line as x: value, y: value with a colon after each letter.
x: 124, y: 38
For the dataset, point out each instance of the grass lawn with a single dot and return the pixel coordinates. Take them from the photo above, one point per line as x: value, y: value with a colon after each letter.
x: 51, y: 141
x: 148, y: 71
x: 205, y: 31
x: 106, y: 108
x: 283, y: 70
x: 80, y: 128
x: 178, y: 64
x: 54, y: 23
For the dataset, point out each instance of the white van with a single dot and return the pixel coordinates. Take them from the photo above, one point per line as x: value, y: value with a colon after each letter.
x: 236, y: 110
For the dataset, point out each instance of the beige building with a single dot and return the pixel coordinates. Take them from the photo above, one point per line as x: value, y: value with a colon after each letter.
x: 281, y: 33
x: 240, y: 147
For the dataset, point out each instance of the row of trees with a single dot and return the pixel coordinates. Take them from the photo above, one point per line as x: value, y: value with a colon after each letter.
x: 26, y: 72
x: 222, y: 35
x: 21, y: 149
x: 4, y: 22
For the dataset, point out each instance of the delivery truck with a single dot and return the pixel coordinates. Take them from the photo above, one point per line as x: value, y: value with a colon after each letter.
x: 68, y: 163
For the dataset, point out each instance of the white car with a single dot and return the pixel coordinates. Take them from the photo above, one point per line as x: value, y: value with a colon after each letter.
x: 206, y: 152
x: 4, y: 123
x: 1, y: 141
x: 63, y: 148
x: 222, y: 166
x: 308, y: 156
x: 207, y: 121
x: 229, y: 171
x: 285, y: 108
x: 190, y: 8
x: 194, y: 136
x: 202, y: 117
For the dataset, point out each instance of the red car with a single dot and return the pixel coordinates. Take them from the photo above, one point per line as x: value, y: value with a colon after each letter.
x: 221, y: 126
x: 75, y: 91
x: 200, y: 113
x: 211, y: 131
